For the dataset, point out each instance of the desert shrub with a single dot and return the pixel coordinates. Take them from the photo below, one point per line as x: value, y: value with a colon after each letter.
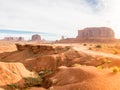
x: 32, y: 81
x: 99, y: 67
x: 98, y: 46
x: 11, y: 87
x: 90, y: 48
x: 115, y: 52
x: 115, y: 69
x: 14, y: 72
x: 84, y: 44
x: 106, y: 61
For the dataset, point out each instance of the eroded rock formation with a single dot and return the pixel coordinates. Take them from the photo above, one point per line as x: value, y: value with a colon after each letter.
x: 36, y: 37
x: 42, y: 48
x: 96, y: 33
x: 14, y: 38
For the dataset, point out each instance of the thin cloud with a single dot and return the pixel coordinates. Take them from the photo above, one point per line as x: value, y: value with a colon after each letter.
x: 63, y: 17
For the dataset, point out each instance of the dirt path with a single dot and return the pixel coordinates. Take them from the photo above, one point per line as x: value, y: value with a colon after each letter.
x: 95, y: 53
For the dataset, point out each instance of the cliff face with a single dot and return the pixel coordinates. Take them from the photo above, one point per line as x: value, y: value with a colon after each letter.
x: 96, y: 33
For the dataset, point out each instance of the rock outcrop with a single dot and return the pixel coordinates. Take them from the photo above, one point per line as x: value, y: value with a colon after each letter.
x: 12, y: 73
x: 96, y: 33
x: 42, y: 48
x: 36, y: 37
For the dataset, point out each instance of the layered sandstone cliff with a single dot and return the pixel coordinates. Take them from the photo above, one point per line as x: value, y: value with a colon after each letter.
x: 96, y: 33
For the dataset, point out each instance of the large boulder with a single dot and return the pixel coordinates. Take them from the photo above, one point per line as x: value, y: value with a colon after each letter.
x: 96, y: 33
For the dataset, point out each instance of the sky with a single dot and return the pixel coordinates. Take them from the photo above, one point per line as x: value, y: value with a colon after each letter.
x: 63, y: 17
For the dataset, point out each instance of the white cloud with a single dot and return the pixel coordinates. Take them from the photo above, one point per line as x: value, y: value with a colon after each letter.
x: 63, y: 17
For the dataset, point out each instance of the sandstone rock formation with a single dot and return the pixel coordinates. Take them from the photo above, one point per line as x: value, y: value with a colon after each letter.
x: 40, y: 57
x: 20, y: 38
x: 12, y: 73
x: 36, y: 37
x: 34, y: 48
x: 62, y: 37
x: 96, y: 33
x: 14, y: 38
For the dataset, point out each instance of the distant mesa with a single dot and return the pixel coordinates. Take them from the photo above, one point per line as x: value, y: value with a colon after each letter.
x: 92, y: 34
x: 36, y: 37
x: 14, y: 38
x: 62, y: 37
x: 96, y: 33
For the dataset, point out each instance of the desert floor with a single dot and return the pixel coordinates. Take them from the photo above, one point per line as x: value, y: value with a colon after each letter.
x: 73, y: 66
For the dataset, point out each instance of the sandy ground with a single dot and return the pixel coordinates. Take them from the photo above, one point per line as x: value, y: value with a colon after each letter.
x: 6, y: 46
x: 67, y: 78
x: 84, y: 49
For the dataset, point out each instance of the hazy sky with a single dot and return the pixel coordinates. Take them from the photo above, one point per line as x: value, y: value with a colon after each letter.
x: 63, y: 17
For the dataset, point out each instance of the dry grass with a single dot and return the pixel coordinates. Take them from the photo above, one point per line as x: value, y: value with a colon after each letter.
x: 107, y: 48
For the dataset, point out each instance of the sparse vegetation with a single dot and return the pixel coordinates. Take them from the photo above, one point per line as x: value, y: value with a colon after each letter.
x: 84, y: 44
x: 99, y: 67
x: 115, y: 69
x: 106, y: 61
x: 30, y: 81
x: 107, y: 48
x: 115, y: 52
x: 90, y: 48
x: 12, y: 87
x: 14, y: 72
x: 98, y: 46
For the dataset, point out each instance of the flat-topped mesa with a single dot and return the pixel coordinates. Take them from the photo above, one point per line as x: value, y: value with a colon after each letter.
x: 96, y: 33
x: 36, y: 37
